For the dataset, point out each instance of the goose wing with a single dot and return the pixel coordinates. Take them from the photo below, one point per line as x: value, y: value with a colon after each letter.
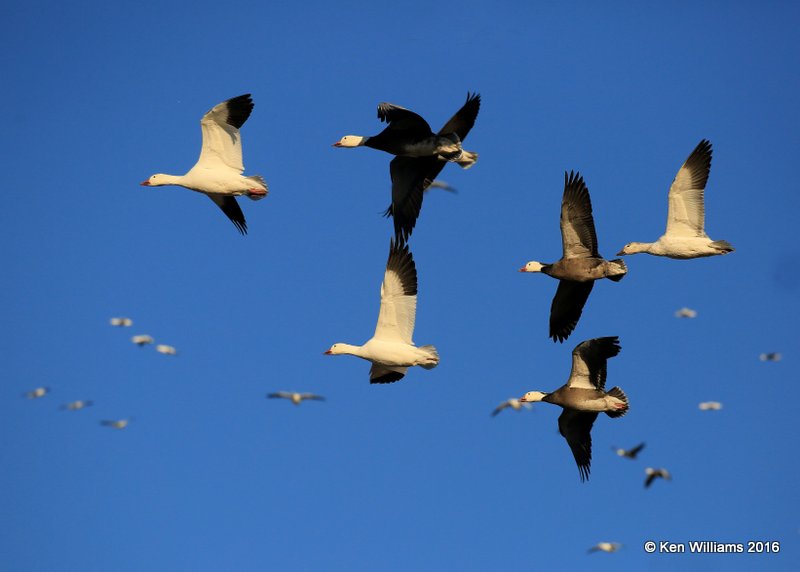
x: 589, y: 362
x: 500, y: 407
x: 312, y: 396
x: 578, y: 236
x: 380, y: 373
x: 576, y: 428
x: 411, y: 176
x: 222, y: 145
x: 635, y: 451
x: 398, y: 297
x: 567, y: 306
x: 279, y: 394
x: 231, y: 209
x: 686, y: 216
x: 402, y: 119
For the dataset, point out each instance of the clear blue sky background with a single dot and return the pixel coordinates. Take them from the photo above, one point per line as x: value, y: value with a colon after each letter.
x: 97, y: 96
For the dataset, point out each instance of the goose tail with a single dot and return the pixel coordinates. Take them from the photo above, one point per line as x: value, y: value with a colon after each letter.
x: 616, y: 269
x: 617, y: 393
x: 431, y: 359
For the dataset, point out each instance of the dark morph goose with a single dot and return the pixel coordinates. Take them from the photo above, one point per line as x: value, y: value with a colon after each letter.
x: 218, y: 172
x: 584, y: 397
x: 580, y: 265
x: 412, y: 175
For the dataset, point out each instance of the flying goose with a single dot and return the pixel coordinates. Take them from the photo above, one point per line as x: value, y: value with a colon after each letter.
x: 116, y: 423
x: 772, y: 356
x: 142, y: 339
x: 391, y: 349
x: 513, y: 403
x: 580, y: 264
x: 686, y: 313
x: 653, y: 474
x: 605, y: 547
x: 121, y: 322
x: 77, y: 405
x: 584, y: 396
x: 407, y: 134
x: 629, y: 453
x: 295, y: 398
x: 685, y: 236
x: 439, y: 184
x: 167, y: 350
x: 218, y: 171
x: 709, y: 406
x: 36, y: 393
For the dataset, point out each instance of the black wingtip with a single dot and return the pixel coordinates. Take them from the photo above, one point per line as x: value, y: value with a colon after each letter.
x: 239, y: 109
x: 389, y: 377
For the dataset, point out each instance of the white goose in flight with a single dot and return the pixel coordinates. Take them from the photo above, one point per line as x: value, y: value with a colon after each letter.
x: 580, y: 264
x: 294, y: 397
x: 686, y: 236
x: 218, y: 171
x: 391, y: 350
x: 513, y: 403
x: 584, y: 397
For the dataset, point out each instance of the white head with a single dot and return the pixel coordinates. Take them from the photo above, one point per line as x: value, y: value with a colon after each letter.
x: 532, y: 397
x: 336, y: 349
x: 350, y: 141
x: 532, y: 266
x: 633, y: 248
x: 157, y: 180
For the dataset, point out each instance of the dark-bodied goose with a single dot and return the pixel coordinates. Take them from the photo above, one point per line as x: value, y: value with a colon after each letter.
x: 513, y: 403
x: 580, y: 265
x: 77, y: 405
x: 771, y: 356
x: 584, y: 396
x: 116, y: 423
x: 653, y: 474
x: 218, y: 171
x: 121, y: 322
x: 685, y: 236
x: 295, y: 398
x: 629, y: 453
x: 391, y: 350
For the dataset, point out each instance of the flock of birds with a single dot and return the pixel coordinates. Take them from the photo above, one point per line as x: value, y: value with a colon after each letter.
x: 419, y: 155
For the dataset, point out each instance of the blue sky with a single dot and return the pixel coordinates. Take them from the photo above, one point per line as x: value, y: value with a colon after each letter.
x: 416, y: 475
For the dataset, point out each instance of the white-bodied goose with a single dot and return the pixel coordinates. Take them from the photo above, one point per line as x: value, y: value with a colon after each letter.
x: 439, y: 184
x: 36, y: 393
x: 142, y: 339
x: 121, y: 322
x: 116, y: 423
x: 391, y: 349
x: 629, y: 453
x: 653, y: 474
x: 686, y: 313
x: 709, y: 406
x: 77, y: 404
x: 605, y: 547
x: 295, y: 398
x: 584, y: 397
x: 513, y: 403
x: 166, y: 350
x: 218, y: 171
x: 580, y: 265
x: 685, y: 236
x: 411, y: 176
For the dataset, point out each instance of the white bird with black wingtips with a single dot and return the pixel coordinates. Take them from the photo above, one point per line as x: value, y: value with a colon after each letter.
x: 391, y: 349
x: 218, y: 172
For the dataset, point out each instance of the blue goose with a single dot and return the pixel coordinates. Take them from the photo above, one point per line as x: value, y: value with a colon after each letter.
x: 391, y: 349
x: 218, y: 172
x: 629, y: 453
x: 580, y: 265
x: 295, y: 398
x: 584, y: 397
x: 685, y: 236
x: 653, y: 474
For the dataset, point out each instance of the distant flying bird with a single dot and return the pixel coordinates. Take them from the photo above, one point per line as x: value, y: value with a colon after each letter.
x: 78, y: 404
x: 605, y: 547
x: 142, y: 340
x: 629, y: 453
x: 411, y: 175
x: 218, y: 172
x: 439, y: 184
x: 165, y: 349
x: 295, y: 398
x: 116, y: 423
x: 709, y: 406
x: 391, y: 349
x: 653, y: 474
x: 122, y: 322
x: 36, y: 393
x: 584, y: 397
x: 685, y: 236
x: 685, y: 313
x: 513, y: 403
x: 580, y: 265
x: 773, y: 356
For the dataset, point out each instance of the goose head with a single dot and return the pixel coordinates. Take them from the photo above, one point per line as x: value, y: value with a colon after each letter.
x: 156, y: 180
x: 336, y: 349
x: 350, y: 141
x: 532, y: 266
x: 532, y: 397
